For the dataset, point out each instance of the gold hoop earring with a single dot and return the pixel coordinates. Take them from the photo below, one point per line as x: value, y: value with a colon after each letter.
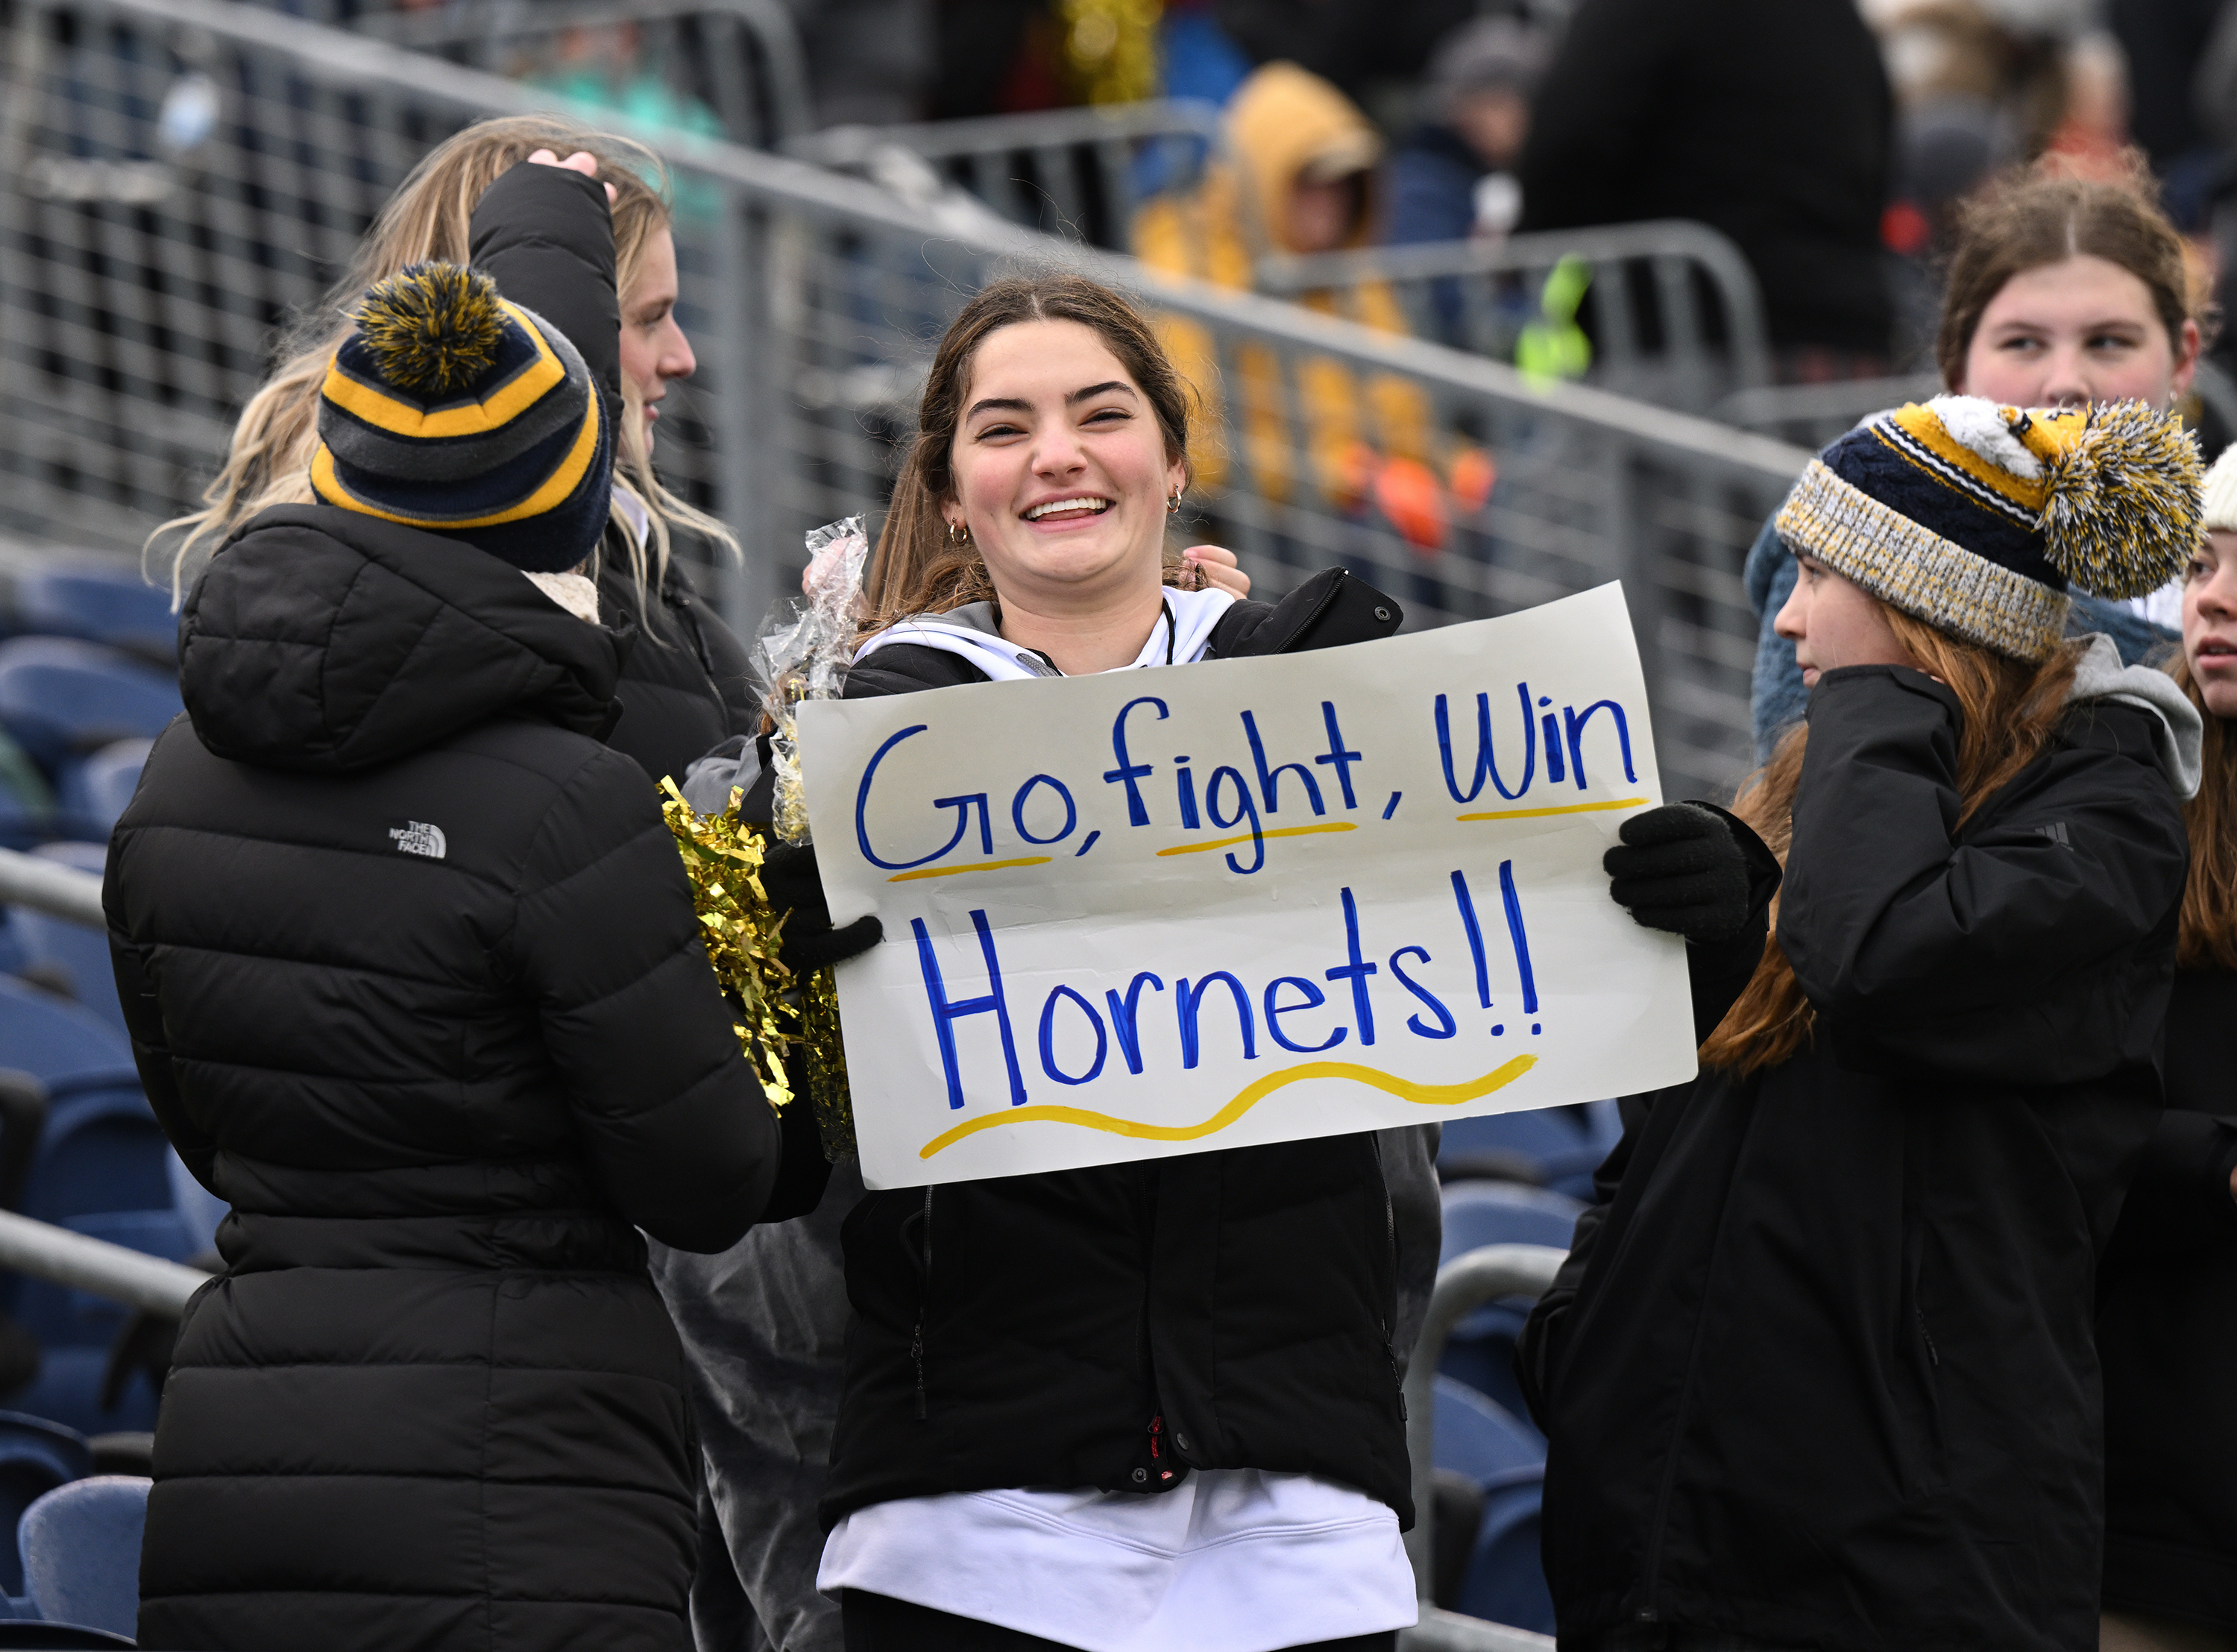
x: 959, y: 535
x: 1173, y: 504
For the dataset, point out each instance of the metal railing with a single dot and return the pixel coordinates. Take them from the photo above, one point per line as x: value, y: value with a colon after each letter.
x: 1463, y: 1285
x: 1672, y: 313
x: 1079, y: 174
x: 729, y: 68
x: 142, y: 284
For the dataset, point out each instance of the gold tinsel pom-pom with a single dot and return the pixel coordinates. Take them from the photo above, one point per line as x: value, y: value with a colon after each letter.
x: 723, y: 858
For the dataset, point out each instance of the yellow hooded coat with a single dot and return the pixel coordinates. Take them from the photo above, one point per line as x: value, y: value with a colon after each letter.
x: 1284, y: 122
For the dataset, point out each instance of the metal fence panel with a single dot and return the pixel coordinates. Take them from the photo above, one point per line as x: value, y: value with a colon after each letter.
x: 1673, y: 310
x: 141, y: 283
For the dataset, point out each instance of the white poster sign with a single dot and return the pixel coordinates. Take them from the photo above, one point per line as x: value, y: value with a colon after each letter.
x: 1157, y: 911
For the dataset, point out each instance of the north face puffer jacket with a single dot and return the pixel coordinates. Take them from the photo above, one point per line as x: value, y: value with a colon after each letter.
x: 414, y: 984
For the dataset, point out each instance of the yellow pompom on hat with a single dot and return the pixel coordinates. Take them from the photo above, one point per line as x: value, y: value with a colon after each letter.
x: 1978, y: 518
x: 2221, y: 493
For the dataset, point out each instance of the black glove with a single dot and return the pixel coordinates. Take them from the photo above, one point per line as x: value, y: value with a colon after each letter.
x: 1680, y: 868
x: 789, y: 878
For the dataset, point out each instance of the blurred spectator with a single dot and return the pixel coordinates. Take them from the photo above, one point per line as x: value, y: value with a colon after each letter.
x: 2092, y: 137
x: 2166, y: 41
x: 868, y: 61
x: 1456, y: 175
x: 1298, y: 177
x: 1352, y: 43
x: 1766, y: 119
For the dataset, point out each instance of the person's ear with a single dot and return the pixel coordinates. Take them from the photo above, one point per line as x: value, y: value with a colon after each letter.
x: 2188, y: 342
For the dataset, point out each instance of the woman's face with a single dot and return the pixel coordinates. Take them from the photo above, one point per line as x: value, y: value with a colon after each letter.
x: 1060, y: 468
x: 2082, y: 330
x: 654, y: 349
x: 1833, y: 622
x: 2209, y: 622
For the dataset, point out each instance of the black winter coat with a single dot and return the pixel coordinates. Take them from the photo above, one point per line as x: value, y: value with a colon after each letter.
x: 414, y: 983
x: 1770, y: 120
x: 1117, y: 1326
x: 1819, y: 1369
x: 2166, y: 1331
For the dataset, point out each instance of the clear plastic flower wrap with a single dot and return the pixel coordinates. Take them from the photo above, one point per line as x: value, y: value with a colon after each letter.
x: 806, y: 656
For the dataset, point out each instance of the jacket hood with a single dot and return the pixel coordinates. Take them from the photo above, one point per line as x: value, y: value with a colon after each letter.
x: 2178, y: 740
x: 326, y: 641
x: 1284, y: 120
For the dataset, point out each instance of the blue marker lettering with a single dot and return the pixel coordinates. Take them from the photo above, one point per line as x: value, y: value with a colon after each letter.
x: 1487, y: 761
x: 1184, y: 784
x: 1552, y: 744
x: 945, y: 1014
x: 1337, y: 754
x: 1123, y: 1011
x: 1521, y: 941
x: 1267, y: 778
x: 1576, y: 720
x: 1129, y: 772
x: 1244, y: 807
x: 1017, y: 808
x: 1475, y: 938
x: 961, y: 805
x: 1048, y: 1039
x: 1356, y: 971
x: 1187, y: 997
x: 1313, y: 999
x: 1446, y: 1026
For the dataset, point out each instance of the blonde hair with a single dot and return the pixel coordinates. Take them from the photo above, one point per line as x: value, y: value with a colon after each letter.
x: 2008, y: 709
x: 268, y: 462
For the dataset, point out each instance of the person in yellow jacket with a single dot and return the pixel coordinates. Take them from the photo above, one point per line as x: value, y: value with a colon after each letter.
x: 1297, y: 174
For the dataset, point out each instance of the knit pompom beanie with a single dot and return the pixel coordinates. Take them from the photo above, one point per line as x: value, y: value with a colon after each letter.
x: 453, y: 410
x: 1978, y: 518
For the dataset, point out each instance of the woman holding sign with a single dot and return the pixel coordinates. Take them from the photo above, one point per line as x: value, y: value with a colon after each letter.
x: 1819, y: 1370
x: 1061, y: 1331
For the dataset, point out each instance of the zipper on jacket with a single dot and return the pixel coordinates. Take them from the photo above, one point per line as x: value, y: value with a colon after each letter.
x: 1933, y: 1353
x: 924, y: 1303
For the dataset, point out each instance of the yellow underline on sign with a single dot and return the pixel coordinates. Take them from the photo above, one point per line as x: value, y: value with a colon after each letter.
x: 1278, y: 831
x: 1245, y: 1099
x: 976, y: 866
x: 1566, y: 809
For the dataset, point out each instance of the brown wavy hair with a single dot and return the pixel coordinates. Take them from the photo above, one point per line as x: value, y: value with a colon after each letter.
x: 2208, y: 939
x: 2038, y: 217
x: 268, y: 462
x: 919, y: 567
x: 2009, y: 710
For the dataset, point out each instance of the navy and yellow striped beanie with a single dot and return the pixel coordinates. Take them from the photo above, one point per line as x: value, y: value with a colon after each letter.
x: 453, y: 410
x: 1977, y: 518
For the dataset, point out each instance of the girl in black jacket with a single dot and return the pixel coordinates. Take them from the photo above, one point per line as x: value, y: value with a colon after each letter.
x: 1818, y: 1372
x: 1149, y: 1404
x: 2167, y: 1303
x: 414, y: 984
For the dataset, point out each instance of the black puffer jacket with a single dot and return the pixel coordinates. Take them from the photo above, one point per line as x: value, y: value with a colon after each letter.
x: 1116, y: 1326
x: 2167, y: 1330
x: 1819, y: 1370
x: 414, y: 984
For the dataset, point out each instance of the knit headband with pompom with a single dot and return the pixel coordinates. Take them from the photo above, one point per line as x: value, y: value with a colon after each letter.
x: 1977, y: 518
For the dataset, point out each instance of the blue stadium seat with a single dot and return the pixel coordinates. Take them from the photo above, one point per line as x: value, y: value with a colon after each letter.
x: 100, y: 602
x: 102, y: 1151
x: 78, y: 954
x: 80, y: 1550
x: 1482, y: 1349
x: 1505, y: 1581
x: 1555, y: 1147
x: 92, y: 791
x: 200, y: 1210
x: 66, y: 1047
x: 63, y: 698
x: 35, y: 1456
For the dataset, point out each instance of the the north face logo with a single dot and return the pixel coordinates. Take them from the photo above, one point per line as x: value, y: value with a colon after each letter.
x: 420, y: 839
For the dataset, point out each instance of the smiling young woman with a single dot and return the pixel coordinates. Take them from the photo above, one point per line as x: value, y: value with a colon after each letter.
x: 1032, y: 1450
